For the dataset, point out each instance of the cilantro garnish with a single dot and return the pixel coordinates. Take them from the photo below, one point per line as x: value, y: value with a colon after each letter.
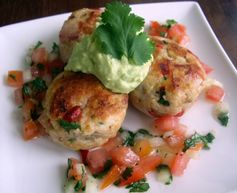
x: 67, y: 126
x: 170, y: 22
x: 144, y: 132
x: 26, y: 89
x: 119, y: 34
x: 223, y: 118
x: 40, y: 66
x: 55, y: 49
x: 139, y: 186
x: 162, y: 100
x: 78, y: 186
x: 129, y: 137
x: 39, y: 85
x: 39, y: 43
x: 127, y: 173
x: 107, y: 166
x: 162, y: 34
x: 197, y: 138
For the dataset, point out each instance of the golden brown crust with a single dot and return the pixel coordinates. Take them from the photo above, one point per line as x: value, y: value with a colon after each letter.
x: 175, y: 70
x: 102, y: 111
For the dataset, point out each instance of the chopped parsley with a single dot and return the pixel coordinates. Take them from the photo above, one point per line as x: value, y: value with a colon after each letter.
x: 39, y: 85
x: 39, y: 43
x: 12, y: 76
x: 118, y: 21
x: 56, y: 71
x: 144, y: 132
x: 223, y: 118
x: 139, y: 186
x: 107, y: 166
x: 162, y: 100
x: 55, y: 49
x: 127, y: 173
x: 162, y: 34
x: 170, y: 23
x: 40, y: 66
x: 68, y: 126
x: 197, y: 138
x: 26, y: 90
x: 78, y: 186
x: 128, y: 137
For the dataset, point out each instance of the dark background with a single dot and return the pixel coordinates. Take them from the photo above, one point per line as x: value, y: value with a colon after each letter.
x: 222, y: 15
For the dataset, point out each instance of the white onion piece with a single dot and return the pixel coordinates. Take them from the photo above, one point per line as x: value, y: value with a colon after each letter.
x: 27, y: 76
x: 156, y: 141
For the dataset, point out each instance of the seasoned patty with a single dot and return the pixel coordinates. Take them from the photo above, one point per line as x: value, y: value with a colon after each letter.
x: 82, y: 112
x: 80, y: 23
x: 174, y: 81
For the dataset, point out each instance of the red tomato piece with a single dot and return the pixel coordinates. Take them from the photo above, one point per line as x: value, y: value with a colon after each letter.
x: 176, y: 139
x: 55, y: 64
x: 156, y: 29
x: 39, y: 56
x: 84, y: 154
x: 96, y: 160
x: 137, y: 174
x: 207, y: 68
x: 15, y: 78
x: 165, y: 123
x: 177, y: 32
x: 124, y: 156
x: 18, y: 96
x: 149, y: 163
x: 180, y: 163
x: 113, y: 143
x: 215, y: 93
x: 113, y: 175
x: 30, y: 130
x: 73, y: 114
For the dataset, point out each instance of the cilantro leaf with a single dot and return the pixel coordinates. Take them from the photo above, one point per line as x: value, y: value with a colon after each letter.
x: 38, y: 44
x: 197, y: 138
x: 223, y: 118
x: 107, y: 166
x: 55, y: 49
x: 139, y: 186
x: 169, y: 23
x: 119, y: 34
x: 39, y: 85
x: 127, y: 173
x: 67, y: 126
x: 162, y: 100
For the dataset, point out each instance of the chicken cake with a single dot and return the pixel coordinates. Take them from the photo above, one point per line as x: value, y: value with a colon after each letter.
x: 80, y: 23
x: 174, y: 82
x: 82, y: 112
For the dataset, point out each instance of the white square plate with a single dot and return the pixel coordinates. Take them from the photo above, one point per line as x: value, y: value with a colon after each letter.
x: 39, y: 166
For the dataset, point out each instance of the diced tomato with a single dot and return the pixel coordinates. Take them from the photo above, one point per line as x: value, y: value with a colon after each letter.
x: 177, y: 32
x: 156, y: 29
x: 142, y: 147
x: 30, y: 130
x: 207, y: 68
x: 84, y: 154
x: 56, y: 64
x: 137, y: 174
x: 73, y: 114
x: 180, y: 163
x: 15, y: 78
x: 165, y: 123
x: 215, y: 93
x: 113, y: 143
x: 113, y: 175
x: 124, y: 156
x: 167, y: 154
x: 27, y: 108
x: 96, y: 160
x: 149, y: 163
x: 192, y: 152
x: 176, y: 139
x: 39, y: 56
x: 37, y: 72
x: 18, y: 96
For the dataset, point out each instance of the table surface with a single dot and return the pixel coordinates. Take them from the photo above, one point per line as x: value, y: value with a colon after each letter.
x: 221, y: 14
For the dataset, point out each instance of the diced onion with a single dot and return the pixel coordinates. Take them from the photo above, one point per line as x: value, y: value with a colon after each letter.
x: 156, y: 141
x: 27, y: 76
